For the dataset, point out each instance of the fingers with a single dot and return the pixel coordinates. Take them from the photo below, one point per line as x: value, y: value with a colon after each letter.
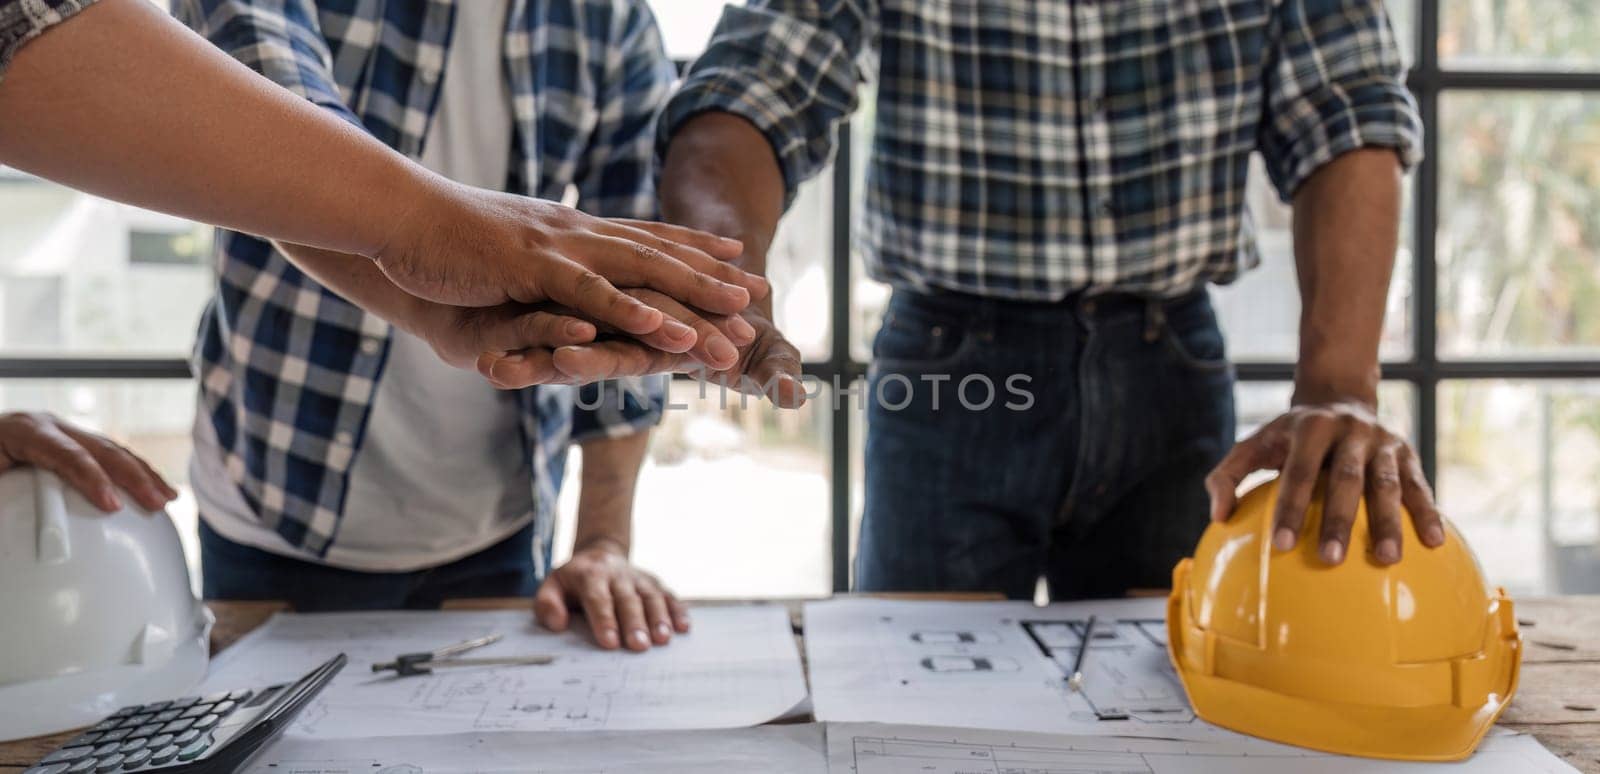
x: 679, y: 612
x: 515, y: 370
x: 1310, y: 437
x: 1264, y: 450
x: 599, y: 607
x: 616, y: 359
x: 546, y: 330
x: 630, y: 615
x: 550, y: 604
x: 32, y: 439
x: 715, y: 338
x: 596, y: 298
x: 1383, y: 505
x: 629, y: 263
x: 657, y: 611
x: 700, y: 246
x: 125, y: 470
x: 1418, y: 498
x: 777, y: 370
x: 1346, y: 479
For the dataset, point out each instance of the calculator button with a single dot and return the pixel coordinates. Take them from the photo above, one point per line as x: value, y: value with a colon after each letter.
x: 132, y: 744
x: 107, y: 724
x: 124, y: 711
x: 215, y: 697
x: 239, y: 695
x: 146, y: 730
x: 115, y: 736
x: 161, y: 756
x: 223, y: 708
x: 176, y: 726
x: 155, y: 706
x: 48, y: 768
x: 136, y: 759
x: 83, y: 764
x: 66, y: 754
x: 187, y: 701
x: 158, y: 742
x: 106, y: 749
x: 186, y: 737
x: 87, y: 737
x: 110, y: 763
x: 134, y: 721
x: 194, y: 749
x: 167, y: 716
x: 206, y: 722
x: 196, y: 711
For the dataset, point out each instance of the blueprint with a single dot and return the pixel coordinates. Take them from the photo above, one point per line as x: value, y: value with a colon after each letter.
x: 999, y: 665
x: 795, y: 749
x: 738, y: 667
x: 888, y: 749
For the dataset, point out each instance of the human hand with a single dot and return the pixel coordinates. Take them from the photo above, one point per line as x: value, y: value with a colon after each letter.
x: 705, y: 341
x: 93, y: 465
x: 615, y: 596
x: 1360, y: 456
x: 465, y: 246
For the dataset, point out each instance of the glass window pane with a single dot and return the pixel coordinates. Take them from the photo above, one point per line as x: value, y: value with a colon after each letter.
x: 1519, y: 34
x: 80, y: 274
x: 686, y: 24
x: 152, y: 417
x: 1519, y: 224
x: 1403, y: 16
x: 1519, y: 473
x: 732, y: 501
x: 800, y: 265
x: 1260, y: 313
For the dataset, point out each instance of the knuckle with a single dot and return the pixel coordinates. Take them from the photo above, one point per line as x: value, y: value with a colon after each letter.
x: 589, y: 283
x: 1347, y: 470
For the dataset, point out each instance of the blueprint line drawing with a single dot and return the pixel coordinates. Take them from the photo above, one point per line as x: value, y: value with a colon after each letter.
x: 1126, y: 673
x: 739, y: 667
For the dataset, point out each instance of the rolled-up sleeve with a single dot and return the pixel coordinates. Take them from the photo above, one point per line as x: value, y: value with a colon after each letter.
x: 280, y: 39
x: 618, y: 407
x: 790, y: 67
x: 23, y: 20
x: 1337, y: 84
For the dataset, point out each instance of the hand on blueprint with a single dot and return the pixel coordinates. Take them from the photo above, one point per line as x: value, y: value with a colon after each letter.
x: 623, y: 604
x: 91, y: 464
x: 691, y: 339
x: 1360, y: 457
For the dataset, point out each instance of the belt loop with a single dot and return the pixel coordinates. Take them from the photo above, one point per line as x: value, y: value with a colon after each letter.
x: 1155, y: 316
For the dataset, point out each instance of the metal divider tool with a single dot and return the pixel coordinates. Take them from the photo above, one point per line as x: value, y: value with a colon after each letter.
x: 407, y: 664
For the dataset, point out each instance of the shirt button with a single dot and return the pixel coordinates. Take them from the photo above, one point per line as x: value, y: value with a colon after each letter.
x: 370, y: 346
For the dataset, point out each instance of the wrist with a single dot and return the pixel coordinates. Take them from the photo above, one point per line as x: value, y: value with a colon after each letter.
x: 1341, y: 381
x: 419, y: 201
x: 602, y: 543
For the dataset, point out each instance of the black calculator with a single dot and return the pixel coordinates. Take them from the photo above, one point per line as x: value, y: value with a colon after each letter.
x: 214, y: 734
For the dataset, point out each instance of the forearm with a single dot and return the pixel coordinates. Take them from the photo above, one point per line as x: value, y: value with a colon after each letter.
x: 605, y: 501
x: 362, y: 283
x: 1346, y: 230
x: 720, y: 175
x: 124, y: 102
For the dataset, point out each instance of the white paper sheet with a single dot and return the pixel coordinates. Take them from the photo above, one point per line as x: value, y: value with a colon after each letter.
x: 738, y: 667
x: 796, y: 749
x: 997, y: 665
x: 870, y: 748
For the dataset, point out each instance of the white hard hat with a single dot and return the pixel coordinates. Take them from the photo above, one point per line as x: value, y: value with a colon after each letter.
x: 96, y: 611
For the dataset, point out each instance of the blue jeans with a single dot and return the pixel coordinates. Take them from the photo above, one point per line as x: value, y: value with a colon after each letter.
x: 1094, y: 481
x: 234, y: 571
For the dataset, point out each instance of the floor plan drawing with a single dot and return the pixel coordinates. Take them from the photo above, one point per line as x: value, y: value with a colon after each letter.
x: 738, y: 667
x: 1126, y: 673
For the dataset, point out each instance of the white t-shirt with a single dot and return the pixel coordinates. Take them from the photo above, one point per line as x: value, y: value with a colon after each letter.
x: 440, y: 473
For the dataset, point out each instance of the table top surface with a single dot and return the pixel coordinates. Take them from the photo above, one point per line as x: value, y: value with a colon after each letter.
x: 1558, y: 699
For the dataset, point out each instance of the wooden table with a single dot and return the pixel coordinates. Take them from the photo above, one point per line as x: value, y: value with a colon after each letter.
x: 1558, y: 701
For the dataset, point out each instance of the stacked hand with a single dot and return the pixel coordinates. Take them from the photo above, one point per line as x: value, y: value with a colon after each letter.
x: 95, y: 466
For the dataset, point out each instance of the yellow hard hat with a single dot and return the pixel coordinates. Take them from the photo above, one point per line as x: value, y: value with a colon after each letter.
x: 1413, y: 661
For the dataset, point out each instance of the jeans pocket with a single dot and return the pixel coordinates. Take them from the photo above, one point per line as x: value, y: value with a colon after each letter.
x: 916, y: 340
x: 1194, y: 339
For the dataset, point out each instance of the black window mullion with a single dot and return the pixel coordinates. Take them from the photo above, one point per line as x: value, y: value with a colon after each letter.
x: 1425, y: 267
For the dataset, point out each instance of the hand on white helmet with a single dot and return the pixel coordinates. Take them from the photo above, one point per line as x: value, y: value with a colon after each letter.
x: 93, y: 465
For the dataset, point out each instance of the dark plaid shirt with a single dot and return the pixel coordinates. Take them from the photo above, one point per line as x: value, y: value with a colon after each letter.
x: 1031, y: 149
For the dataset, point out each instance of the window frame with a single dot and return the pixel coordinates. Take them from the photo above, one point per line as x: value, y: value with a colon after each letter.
x: 1424, y: 369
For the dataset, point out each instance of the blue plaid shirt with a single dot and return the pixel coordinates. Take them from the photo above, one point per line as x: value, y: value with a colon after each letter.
x: 287, y: 369
x: 23, y: 20
x: 1031, y: 149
